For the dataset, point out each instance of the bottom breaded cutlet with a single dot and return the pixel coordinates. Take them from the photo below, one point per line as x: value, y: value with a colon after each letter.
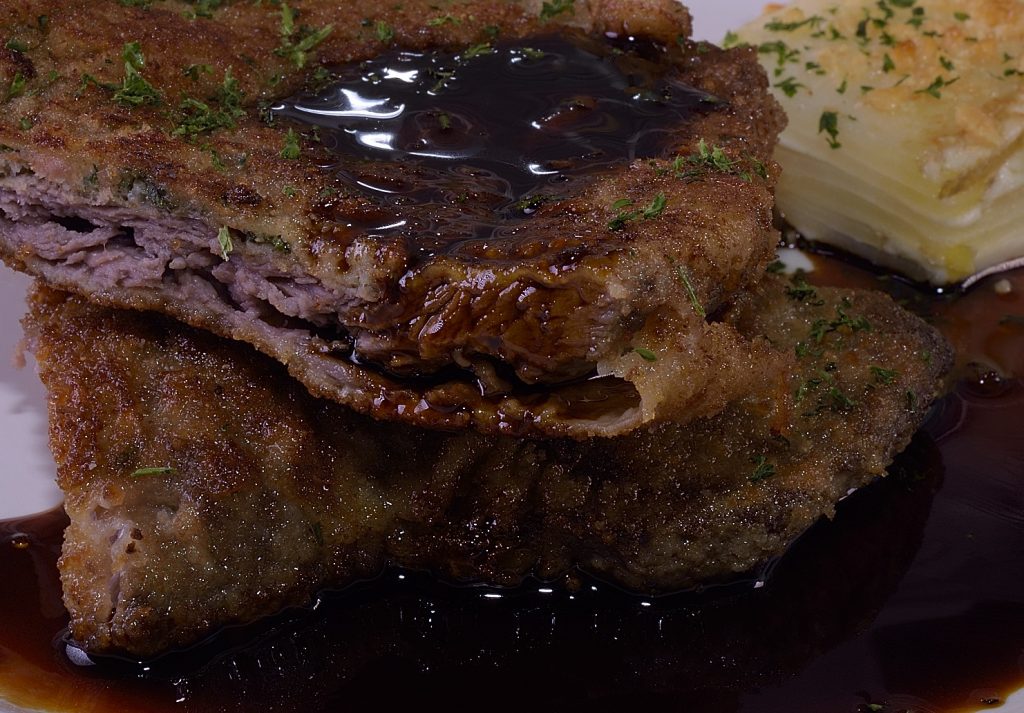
x: 206, y: 488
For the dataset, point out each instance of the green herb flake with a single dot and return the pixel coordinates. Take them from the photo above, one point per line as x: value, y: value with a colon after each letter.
x: 645, y: 354
x: 16, y: 45
x: 789, y: 86
x: 655, y: 207
x: 195, y: 117
x: 911, y: 400
x: 478, y: 50
x: 887, y: 64
x: 193, y: 71
x: 554, y: 8
x: 935, y: 88
x: 291, y: 145
x: 443, y: 20
x: 17, y: 87
x: 883, y: 376
x: 134, y: 89
x: 202, y: 8
x: 829, y: 124
x: 777, y: 267
x: 648, y: 212
x: 25, y: 123
x: 158, y: 470
x: 295, y: 44
x: 762, y: 469
x: 801, y: 291
x: 684, y: 277
x: 385, y: 33
x: 224, y: 240
x: 961, y: 16
x: 779, y: 26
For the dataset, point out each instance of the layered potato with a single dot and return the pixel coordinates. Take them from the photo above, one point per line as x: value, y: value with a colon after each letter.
x: 906, y: 128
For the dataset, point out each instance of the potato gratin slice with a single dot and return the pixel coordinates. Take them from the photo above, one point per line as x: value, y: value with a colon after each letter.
x: 906, y: 133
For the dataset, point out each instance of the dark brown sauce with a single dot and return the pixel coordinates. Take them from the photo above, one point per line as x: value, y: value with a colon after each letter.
x: 912, y: 599
x: 487, y: 135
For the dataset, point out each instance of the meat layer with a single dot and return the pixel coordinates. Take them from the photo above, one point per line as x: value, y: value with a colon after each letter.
x: 189, y: 459
x: 181, y: 199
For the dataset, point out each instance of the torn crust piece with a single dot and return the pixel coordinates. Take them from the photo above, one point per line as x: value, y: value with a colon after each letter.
x: 186, y: 458
x: 234, y: 168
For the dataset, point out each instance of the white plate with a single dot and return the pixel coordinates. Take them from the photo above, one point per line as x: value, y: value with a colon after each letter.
x: 26, y: 467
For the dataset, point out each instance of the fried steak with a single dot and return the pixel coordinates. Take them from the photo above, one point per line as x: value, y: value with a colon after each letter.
x: 145, y: 166
x: 187, y: 458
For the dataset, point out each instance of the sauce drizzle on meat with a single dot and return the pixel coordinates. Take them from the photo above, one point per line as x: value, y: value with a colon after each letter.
x: 499, y: 128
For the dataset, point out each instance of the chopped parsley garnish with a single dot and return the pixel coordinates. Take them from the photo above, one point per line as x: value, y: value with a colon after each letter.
x: 196, y: 117
x: 782, y: 52
x: 203, y: 8
x: 822, y: 327
x: 684, y: 277
x: 477, y: 50
x: 961, y: 16
x: 789, y: 86
x: 17, y: 87
x: 839, y: 400
x: 776, y: 267
x: 16, y: 45
x: 278, y: 243
x: 887, y: 64
x: 224, y: 240
x: 134, y: 89
x: 935, y: 88
x: 801, y: 291
x: 883, y: 376
x: 385, y: 33
x: 762, y: 469
x: 296, y: 43
x: 25, y: 123
x: 651, y: 210
x: 443, y: 20
x: 291, y: 145
x: 645, y: 354
x: 779, y: 26
x: 911, y: 401
x: 553, y: 8
x: 829, y: 124
x: 655, y: 207
x: 194, y: 70
x: 159, y: 470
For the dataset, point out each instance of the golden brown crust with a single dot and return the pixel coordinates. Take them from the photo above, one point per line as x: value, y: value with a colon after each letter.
x: 274, y: 495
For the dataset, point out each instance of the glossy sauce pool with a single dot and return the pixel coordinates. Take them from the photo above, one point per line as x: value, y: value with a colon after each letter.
x: 912, y: 599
